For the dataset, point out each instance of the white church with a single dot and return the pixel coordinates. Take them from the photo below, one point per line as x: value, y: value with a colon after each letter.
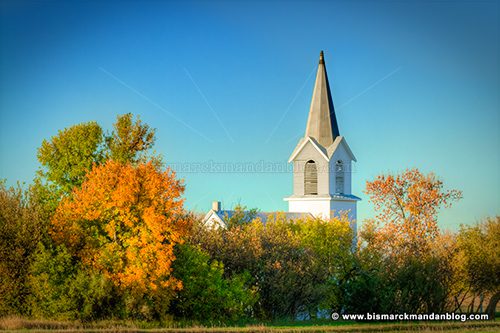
x: 322, y: 166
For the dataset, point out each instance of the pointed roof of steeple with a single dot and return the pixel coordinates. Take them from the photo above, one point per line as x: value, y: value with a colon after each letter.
x: 322, y: 123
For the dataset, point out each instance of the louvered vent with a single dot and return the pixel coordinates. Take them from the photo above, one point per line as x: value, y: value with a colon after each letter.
x: 311, y: 178
x: 339, y: 176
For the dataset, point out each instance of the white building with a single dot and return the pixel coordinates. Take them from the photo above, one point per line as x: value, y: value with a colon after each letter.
x: 322, y: 165
x: 322, y: 160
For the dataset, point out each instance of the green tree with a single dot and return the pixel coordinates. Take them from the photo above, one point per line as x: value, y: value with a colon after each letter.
x: 61, y: 288
x: 295, y: 265
x: 66, y: 160
x: 415, y: 284
x: 330, y: 244
x: 366, y: 289
x: 480, y: 259
x: 67, y: 157
x: 240, y: 216
x: 129, y: 139
x: 206, y: 294
x: 21, y: 228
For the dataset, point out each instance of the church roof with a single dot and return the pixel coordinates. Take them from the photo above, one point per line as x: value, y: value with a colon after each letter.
x: 322, y: 122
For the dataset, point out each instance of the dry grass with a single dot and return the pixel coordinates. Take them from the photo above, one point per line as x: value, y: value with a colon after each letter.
x: 19, y: 324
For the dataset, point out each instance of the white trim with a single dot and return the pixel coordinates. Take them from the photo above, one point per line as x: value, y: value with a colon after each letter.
x: 302, y: 145
x: 312, y: 198
x: 318, y: 198
x: 333, y: 147
x: 212, y: 215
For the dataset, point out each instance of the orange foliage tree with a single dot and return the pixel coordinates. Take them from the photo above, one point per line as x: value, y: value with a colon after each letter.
x: 125, y: 221
x: 407, y: 206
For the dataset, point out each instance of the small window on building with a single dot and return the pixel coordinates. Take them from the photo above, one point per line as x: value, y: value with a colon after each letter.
x: 339, y: 177
x: 310, y: 178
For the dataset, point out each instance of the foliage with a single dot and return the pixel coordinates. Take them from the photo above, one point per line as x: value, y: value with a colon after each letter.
x: 68, y: 156
x: 21, y: 228
x: 62, y: 288
x: 102, y: 233
x: 331, y: 246
x: 480, y: 259
x: 404, y: 262
x: 125, y: 221
x: 407, y: 206
x: 480, y: 244
x: 415, y: 284
x: 240, y: 216
x: 207, y: 294
x: 129, y: 139
x: 295, y: 265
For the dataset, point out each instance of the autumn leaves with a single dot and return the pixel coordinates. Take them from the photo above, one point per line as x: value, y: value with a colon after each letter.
x: 125, y: 221
x: 407, y: 206
x: 102, y: 233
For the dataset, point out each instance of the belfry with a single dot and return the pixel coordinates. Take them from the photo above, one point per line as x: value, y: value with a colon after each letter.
x: 322, y: 164
x: 322, y: 160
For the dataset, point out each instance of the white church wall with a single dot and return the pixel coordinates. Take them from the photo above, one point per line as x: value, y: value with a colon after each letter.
x: 309, y: 152
x: 318, y: 208
x: 323, y: 207
x: 339, y: 206
x: 298, y: 177
x: 341, y: 154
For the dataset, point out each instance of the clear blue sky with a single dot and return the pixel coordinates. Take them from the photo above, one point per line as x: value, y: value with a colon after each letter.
x: 415, y: 84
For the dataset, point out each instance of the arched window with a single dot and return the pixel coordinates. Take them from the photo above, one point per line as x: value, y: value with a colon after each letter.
x: 310, y: 178
x: 339, y: 177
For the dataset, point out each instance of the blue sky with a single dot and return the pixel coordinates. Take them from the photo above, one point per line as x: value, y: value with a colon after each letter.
x: 415, y: 84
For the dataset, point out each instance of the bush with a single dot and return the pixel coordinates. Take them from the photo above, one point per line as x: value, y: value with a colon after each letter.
x: 206, y: 294
x: 21, y: 228
x: 295, y: 265
x: 62, y: 289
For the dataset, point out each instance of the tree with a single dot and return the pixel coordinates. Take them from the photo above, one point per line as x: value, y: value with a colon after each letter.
x: 408, y: 205
x: 125, y: 221
x: 61, y: 288
x: 480, y: 259
x: 68, y: 157
x: 407, y: 283
x: 240, y: 216
x: 129, y: 140
x: 296, y: 265
x: 238, y: 246
x: 330, y: 244
x: 21, y: 228
x: 402, y: 255
x: 206, y: 293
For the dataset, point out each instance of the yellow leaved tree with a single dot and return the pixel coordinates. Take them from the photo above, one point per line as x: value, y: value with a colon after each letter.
x: 124, y: 221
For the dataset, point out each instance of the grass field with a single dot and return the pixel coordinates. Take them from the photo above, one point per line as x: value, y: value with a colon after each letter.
x: 28, y: 325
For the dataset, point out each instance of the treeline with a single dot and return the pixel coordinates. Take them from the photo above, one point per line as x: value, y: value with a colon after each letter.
x: 102, y: 234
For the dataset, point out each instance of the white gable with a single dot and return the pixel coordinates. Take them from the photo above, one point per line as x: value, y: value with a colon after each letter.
x: 212, y: 219
x: 303, y: 143
x: 340, y: 146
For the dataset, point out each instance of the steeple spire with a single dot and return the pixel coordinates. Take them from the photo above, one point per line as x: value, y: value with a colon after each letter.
x: 322, y: 123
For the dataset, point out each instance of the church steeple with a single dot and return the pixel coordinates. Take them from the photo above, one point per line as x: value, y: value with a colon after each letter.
x: 322, y: 123
x: 322, y: 160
